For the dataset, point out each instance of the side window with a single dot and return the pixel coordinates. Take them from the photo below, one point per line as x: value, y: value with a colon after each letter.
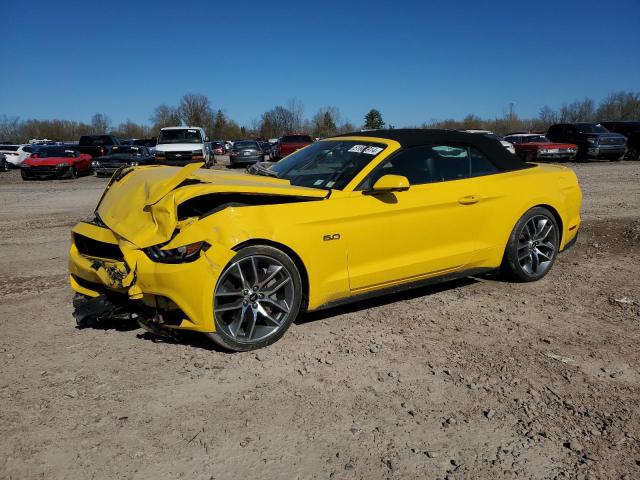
x: 436, y: 163
x: 480, y: 164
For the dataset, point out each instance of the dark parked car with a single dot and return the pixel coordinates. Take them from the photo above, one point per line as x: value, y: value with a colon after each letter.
x: 245, y: 152
x: 122, y: 155
x: 96, y: 145
x: 593, y: 140
x: 266, y: 148
x: 631, y: 130
x: 289, y: 144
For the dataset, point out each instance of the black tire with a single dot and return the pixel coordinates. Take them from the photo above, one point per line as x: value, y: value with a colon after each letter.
x: 529, y: 157
x: 73, y: 172
x: 581, y: 157
x: 634, y: 154
x: 4, y: 165
x: 515, y: 266
x: 619, y: 159
x: 223, y: 335
x: 24, y: 175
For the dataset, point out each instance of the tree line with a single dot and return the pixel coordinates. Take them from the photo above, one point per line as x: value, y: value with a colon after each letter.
x: 197, y: 110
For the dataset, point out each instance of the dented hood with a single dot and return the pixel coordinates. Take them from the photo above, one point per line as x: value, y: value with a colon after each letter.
x: 140, y: 205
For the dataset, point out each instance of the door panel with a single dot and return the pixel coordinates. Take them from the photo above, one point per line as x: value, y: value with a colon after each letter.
x: 402, y: 236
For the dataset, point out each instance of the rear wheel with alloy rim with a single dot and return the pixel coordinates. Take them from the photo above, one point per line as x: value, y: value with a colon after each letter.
x: 256, y: 299
x: 532, y: 247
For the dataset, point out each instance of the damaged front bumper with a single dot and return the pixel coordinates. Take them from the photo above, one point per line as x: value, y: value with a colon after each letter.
x: 102, y: 265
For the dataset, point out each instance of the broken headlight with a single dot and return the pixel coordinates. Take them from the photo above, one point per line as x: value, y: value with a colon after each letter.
x: 184, y: 254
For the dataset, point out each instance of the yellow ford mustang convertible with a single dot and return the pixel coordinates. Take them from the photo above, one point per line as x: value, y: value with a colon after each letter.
x: 238, y: 256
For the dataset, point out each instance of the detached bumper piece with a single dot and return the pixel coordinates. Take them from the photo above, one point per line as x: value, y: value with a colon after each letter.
x: 89, y: 311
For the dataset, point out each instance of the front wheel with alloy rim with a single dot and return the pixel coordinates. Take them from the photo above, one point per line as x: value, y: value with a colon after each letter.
x: 532, y: 247
x: 257, y: 297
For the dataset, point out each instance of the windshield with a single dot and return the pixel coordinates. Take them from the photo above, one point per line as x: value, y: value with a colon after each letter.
x: 56, y: 152
x: 327, y: 164
x: 96, y: 140
x: 536, y: 138
x: 129, y: 150
x: 590, y: 128
x: 187, y: 135
x: 296, y: 139
x: 244, y: 145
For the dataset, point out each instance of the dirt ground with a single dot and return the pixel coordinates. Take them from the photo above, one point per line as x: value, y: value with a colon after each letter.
x: 476, y: 379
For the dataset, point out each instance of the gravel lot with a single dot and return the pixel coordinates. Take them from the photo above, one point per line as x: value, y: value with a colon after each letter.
x: 473, y: 379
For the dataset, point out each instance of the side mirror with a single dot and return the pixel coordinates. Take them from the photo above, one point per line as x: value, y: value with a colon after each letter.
x: 390, y: 183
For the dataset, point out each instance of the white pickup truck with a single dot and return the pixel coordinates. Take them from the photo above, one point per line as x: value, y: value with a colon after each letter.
x: 182, y: 145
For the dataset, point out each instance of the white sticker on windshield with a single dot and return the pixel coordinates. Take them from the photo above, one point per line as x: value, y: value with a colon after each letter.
x: 330, y: 184
x: 192, y: 131
x: 317, y: 182
x: 372, y: 150
x: 357, y: 148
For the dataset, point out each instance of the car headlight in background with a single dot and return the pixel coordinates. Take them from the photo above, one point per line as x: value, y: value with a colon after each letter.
x: 592, y: 140
x: 95, y: 164
x: 62, y: 165
x: 544, y: 150
x: 133, y: 164
x: 184, y: 254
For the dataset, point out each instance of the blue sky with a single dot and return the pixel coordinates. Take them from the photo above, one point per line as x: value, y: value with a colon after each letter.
x: 414, y: 61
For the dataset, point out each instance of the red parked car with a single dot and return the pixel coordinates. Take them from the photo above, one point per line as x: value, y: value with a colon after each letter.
x: 533, y: 147
x: 290, y: 143
x: 55, y: 162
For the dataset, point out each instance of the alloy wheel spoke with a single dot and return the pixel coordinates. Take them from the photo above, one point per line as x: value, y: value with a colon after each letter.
x: 238, y: 322
x: 540, y: 225
x: 547, y: 257
x: 266, y: 315
x: 254, y: 269
x: 244, y: 282
x: 252, y: 323
x: 535, y: 261
x: 283, y: 308
x: 270, y: 277
x: 232, y: 306
x: 278, y: 286
x: 228, y: 294
x: 544, y: 233
x: 525, y: 255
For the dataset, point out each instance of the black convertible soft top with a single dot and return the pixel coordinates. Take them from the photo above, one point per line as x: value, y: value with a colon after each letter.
x: 411, y: 137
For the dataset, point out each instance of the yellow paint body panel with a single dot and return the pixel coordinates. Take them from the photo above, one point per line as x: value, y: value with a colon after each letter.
x: 383, y: 240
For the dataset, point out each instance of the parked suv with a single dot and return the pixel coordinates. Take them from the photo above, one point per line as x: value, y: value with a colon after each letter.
x: 183, y: 145
x: 631, y: 130
x: 593, y: 140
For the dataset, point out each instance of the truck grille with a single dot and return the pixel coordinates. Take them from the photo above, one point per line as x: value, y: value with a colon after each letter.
x: 178, y: 156
x: 95, y: 248
x: 612, y: 141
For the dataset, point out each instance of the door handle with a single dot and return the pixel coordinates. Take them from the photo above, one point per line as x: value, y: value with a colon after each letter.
x: 469, y: 200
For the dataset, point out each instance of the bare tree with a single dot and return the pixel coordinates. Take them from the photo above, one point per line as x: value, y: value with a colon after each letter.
x: 9, y: 129
x: 195, y: 110
x: 620, y: 106
x: 548, y: 116
x: 325, y: 122
x: 296, y: 108
x: 100, y: 123
x: 165, y: 116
